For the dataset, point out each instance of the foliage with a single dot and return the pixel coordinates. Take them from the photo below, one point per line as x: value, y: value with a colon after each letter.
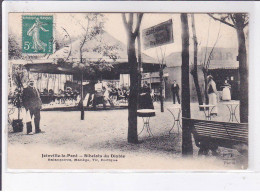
x: 235, y: 20
x: 19, y: 77
x: 16, y: 98
x: 94, y: 29
x: 14, y: 49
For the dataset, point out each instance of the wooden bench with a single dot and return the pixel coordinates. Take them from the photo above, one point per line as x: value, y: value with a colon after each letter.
x: 208, y: 135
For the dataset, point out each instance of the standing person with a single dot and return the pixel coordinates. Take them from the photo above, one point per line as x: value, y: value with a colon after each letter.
x: 175, y: 91
x: 98, y: 94
x: 212, y: 94
x: 33, y: 103
x: 106, y: 95
x: 226, y: 94
x: 145, y: 100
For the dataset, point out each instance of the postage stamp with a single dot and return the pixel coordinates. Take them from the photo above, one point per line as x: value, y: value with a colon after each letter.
x: 37, y: 34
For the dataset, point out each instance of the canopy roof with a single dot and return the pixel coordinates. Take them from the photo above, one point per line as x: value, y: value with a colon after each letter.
x: 51, y: 64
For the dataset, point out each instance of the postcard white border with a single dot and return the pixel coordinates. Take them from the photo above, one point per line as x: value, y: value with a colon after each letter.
x: 115, y: 179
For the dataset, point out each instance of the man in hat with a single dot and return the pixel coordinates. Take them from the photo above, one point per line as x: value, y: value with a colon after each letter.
x: 33, y: 103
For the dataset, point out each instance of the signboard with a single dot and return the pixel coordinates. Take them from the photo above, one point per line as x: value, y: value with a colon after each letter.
x: 221, y: 58
x: 158, y: 35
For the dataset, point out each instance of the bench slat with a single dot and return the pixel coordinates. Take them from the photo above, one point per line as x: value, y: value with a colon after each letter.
x: 222, y: 137
x: 233, y: 136
x: 221, y: 123
x: 216, y: 122
x: 230, y: 132
x: 238, y: 128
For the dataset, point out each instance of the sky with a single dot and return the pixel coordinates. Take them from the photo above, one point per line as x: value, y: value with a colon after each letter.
x: 205, y: 26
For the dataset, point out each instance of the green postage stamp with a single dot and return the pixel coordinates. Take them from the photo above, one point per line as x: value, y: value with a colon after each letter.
x: 37, y: 34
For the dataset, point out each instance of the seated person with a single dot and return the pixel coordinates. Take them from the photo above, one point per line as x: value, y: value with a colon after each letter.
x: 51, y: 92
x: 45, y: 91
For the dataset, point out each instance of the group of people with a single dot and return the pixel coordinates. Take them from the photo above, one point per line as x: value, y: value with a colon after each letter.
x: 212, y: 92
x: 118, y: 93
x: 49, y: 96
x: 33, y: 103
x: 103, y: 93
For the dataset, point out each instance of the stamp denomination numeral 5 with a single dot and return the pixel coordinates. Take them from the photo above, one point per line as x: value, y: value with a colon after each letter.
x: 26, y: 45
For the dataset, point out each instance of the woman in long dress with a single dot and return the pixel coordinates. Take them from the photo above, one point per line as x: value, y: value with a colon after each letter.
x: 145, y: 99
x: 212, y: 94
x: 226, y: 95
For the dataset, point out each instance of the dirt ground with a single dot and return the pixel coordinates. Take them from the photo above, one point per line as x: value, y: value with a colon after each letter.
x: 105, y: 132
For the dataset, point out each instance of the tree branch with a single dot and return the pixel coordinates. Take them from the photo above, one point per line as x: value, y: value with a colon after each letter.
x: 130, y: 22
x: 223, y: 21
x: 246, y: 24
x: 139, y: 20
x: 124, y: 21
x: 211, y: 52
x: 232, y: 18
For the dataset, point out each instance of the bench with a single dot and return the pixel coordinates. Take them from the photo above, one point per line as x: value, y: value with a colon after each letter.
x: 208, y: 135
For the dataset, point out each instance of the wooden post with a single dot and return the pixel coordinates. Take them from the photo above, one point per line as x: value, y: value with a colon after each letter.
x: 150, y: 80
x: 41, y: 82
x: 54, y: 83
x: 47, y: 82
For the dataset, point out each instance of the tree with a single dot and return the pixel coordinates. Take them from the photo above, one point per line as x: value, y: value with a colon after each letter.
x: 133, y: 65
x: 20, y: 78
x: 93, y: 30
x: 94, y: 26
x: 194, y: 71
x: 14, y: 49
x: 206, y: 64
x: 185, y: 92
x: 239, y: 21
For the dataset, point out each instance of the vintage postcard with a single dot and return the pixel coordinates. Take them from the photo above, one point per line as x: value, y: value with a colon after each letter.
x: 138, y: 91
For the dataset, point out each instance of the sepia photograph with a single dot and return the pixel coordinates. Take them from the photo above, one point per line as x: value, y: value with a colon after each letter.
x: 120, y: 91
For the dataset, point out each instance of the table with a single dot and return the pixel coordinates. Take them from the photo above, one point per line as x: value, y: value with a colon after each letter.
x: 232, y: 106
x: 146, y: 114
x: 176, y: 119
x: 207, y: 110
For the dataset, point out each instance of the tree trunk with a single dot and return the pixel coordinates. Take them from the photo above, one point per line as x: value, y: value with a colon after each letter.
x: 186, y: 131
x: 243, y: 72
x: 139, y: 66
x: 205, y: 73
x: 19, y: 113
x: 132, y: 102
x: 195, y: 61
x: 82, y: 115
x: 161, y: 88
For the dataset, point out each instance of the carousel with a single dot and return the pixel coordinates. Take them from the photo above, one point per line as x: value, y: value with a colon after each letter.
x: 63, y: 83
